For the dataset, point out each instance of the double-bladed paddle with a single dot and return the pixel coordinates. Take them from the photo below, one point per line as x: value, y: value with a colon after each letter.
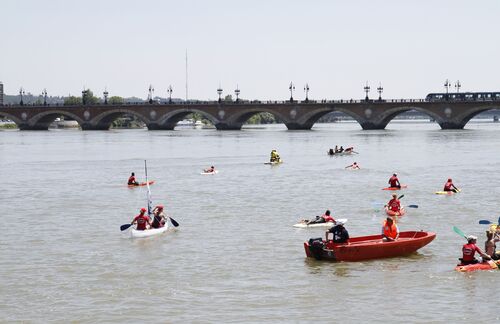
x: 459, y: 232
x: 487, y: 222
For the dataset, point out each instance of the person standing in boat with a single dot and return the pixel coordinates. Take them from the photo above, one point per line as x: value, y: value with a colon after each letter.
x: 353, y: 166
x: 158, y: 217
x: 469, y: 250
x: 390, y: 231
x: 394, y: 181
x: 490, y: 245
x: 325, y: 218
x: 142, y: 220
x: 449, y: 186
x: 394, y: 204
x: 340, y: 234
x: 132, y: 181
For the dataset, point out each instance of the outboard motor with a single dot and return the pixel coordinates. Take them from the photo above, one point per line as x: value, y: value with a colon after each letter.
x: 316, y: 246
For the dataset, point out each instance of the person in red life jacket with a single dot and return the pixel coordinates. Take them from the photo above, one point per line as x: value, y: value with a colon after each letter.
x: 142, y: 220
x: 469, y: 250
x: 394, y: 181
x: 390, y: 231
x: 132, y: 181
x: 325, y: 218
x: 449, y: 186
x: 158, y: 217
x: 394, y: 204
x: 353, y: 166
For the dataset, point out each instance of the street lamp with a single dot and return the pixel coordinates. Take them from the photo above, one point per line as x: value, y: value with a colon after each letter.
x: 458, y: 86
x: 447, y: 85
x: 219, y: 92
x: 380, y: 90
x: 105, y: 93
x: 367, y: 89
x: 237, y: 93
x: 21, y: 93
x: 150, y: 94
x: 84, y: 96
x: 44, y: 94
x: 306, y: 90
x: 291, y: 87
x: 169, y: 91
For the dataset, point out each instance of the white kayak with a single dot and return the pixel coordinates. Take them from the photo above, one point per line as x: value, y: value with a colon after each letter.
x: 208, y: 173
x: 149, y: 232
x: 328, y: 224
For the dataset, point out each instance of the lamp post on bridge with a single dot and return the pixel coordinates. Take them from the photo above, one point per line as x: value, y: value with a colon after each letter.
x: 458, y: 86
x: 21, y: 93
x: 150, y: 94
x: 367, y: 89
x: 219, y: 92
x: 44, y: 94
x: 380, y: 90
x: 306, y: 90
x: 84, y: 96
x: 291, y: 87
x: 105, y: 93
x: 237, y: 93
x: 169, y: 91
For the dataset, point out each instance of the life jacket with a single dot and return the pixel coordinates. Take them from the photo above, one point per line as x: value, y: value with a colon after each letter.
x: 328, y: 218
x: 142, y: 220
x: 131, y: 180
x: 157, y: 222
x: 447, y: 186
x: 394, y: 205
x: 390, y: 231
x: 468, y: 251
x: 393, y: 181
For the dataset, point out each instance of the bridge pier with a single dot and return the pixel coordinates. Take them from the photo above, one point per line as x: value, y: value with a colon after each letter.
x: 154, y: 126
x: 372, y: 126
x: 36, y: 127
x: 297, y: 126
x: 451, y: 125
x: 225, y: 126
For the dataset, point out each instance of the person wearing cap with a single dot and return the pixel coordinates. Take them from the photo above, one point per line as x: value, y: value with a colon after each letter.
x: 390, y: 231
x: 325, y: 218
x: 131, y: 180
x: 340, y: 234
x: 394, y: 204
x: 158, y: 217
x: 469, y: 250
x: 394, y: 181
x: 275, y: 157
x: 449, y: 186
x: 353, y: 166
x: 142, y: 220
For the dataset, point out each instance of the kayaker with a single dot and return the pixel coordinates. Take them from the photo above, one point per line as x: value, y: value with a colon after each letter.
x: 490, y: 245
x: 210, y: 170
x: 331, y: 152
x: 325, y: 218
x: 158, y: 217
x: 341, y: 149
x: 449, y: 186
x: 132, y: 181
x: 353, y: 166
x: 340, y: 234
x: 394, y: 204
x: 469, y: 250
x: 349, y: 149
x: 142, y: 220
x: 390, y: 231
x: 394, y: 181
x: 336, y: 149
x: 275, y: 157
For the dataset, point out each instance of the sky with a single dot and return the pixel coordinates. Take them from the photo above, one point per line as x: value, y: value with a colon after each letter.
x: 410, y: 47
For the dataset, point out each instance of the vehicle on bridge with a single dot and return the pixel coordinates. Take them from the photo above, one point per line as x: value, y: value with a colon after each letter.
x: 463, y: 96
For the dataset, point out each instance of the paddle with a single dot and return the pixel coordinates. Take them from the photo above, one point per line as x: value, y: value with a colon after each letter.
x: 487, y: 222
x: 412, y: 206
x: 125, y: 226
x: 459, y: 232
x: 173, y: 221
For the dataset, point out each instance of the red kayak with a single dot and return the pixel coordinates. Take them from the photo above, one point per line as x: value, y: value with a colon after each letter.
x: 141, y: 184
x: 400, y: 213
x: 489, y: 265
x: 395, y: 188
x: 368, y: 247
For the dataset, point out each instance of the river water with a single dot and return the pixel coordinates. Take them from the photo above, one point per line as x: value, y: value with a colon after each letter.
x: 235, y: 256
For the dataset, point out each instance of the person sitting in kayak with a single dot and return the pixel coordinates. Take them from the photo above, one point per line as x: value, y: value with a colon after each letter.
x: 325, y: 218
x: 394, y: 181
x: 142, y: 220
x: 275, y: 157
x: 158, y: 217
x: 340, y: 234
x: 353, y: 166
x: 469, y: 250
x: 390, y: 231
x: 449, y: 186
x: 209, y: 170
x: 132, y: 181
x: 336, y: 149
x: 331, y: 152
x: 490, y: 245
x: 349, y: 149
x: 394, y: 204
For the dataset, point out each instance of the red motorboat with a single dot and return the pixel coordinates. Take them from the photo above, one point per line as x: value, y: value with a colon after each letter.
x: 368, y: 247
x: 400, y: 213
x: 488, y: 265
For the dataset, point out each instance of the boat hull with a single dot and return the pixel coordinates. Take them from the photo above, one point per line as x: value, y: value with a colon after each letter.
x: 148, y: 233
x: 141, y: 184
x: 369, y: 247
x: 401, y: 212
x: 490, y: 265
x: 395, y: 188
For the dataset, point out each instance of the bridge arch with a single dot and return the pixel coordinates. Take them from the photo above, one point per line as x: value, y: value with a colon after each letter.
x: 389, y: 114
x: 41, y: 121
x: 8, y: 116
x: 310, y: 118
x: 169, y: 120
x: 238, y: 119
x: 469, y: 114
x: 104, y: 120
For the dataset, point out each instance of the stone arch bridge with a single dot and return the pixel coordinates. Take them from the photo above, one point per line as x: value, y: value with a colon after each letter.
x: 295, y: 115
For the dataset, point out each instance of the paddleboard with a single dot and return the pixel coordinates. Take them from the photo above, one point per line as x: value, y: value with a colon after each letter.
x: 394, y: 188
x: 141, y: 184
x: 274, y: 163
x: 328, y: 224
x: 449, y: 193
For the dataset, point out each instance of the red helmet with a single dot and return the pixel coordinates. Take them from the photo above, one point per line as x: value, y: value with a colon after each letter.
x: 159, y: 206
x: 143, y: 210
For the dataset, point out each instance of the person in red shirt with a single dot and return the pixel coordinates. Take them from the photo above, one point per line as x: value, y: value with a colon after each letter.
x: 394, y: 181
x: 394, y: 204
x: 325, y: 218
x: 132, y: 181
x: 449, y: 186
x: 142, y: 220
x: 353, y: 166
x: 469, y: 250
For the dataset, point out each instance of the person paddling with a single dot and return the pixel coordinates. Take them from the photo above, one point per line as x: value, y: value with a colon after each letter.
x: 390, y: 231
x: 469, y: 250
x: 325, y: 218
x: 394, y: 204
x: 275, y: 157
x: 394, y: 181
x: 340, y: 234
x: 490, y: 245
x: 132, y: 181
x: 353, y: 166
x: 449, y: 186
x: 142, y: 220
x: 209, y: 170
x: 158, y: 217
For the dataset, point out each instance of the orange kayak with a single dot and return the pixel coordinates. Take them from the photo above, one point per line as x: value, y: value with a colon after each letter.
x: 389, y: 212
x: 141, y: 184
x: 395, y: 188
x: 489, y: 265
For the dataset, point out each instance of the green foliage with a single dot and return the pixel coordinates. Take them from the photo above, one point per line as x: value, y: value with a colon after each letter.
x: 115, y: 100
x: 262, y: 118
x: 89, y: 98
x: 72, y: 101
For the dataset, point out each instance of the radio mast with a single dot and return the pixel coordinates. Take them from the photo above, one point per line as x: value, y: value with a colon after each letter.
x: 186, y: 75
